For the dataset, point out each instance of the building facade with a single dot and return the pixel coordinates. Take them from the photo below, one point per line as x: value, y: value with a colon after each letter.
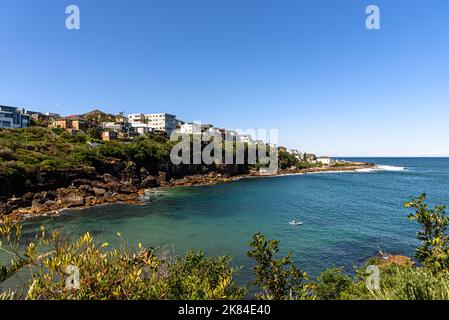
x: 141, y: 128
x: 245, y: 138
x: 13, y: 118
x: 157, y: 121
x: 162, y: 122
x: 136, y: 118
x: 71, y: 124
x: 109, y: 135
x: 36, y: 115
x: 325, y: 160
x: 190, y: 128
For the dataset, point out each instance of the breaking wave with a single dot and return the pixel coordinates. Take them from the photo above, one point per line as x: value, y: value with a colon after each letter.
x: 383, y: 168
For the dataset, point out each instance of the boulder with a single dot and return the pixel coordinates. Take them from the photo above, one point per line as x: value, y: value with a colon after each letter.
x: 24, y: 201
x: 110, y: 198
x: 99, y: 192
x: 128, y: 189
x: 5, y: 208
x: 38, y: 208
x: 121, y: 197
x: 91, y: 201
x: 86, y: 189
x: 149, y: 182
x: 52, y: 205
x: 108, y: 178
x: 80, y: 182
x: 72, y: 200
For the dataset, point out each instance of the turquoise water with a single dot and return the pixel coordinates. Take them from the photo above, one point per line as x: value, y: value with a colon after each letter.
x: 346, y: 216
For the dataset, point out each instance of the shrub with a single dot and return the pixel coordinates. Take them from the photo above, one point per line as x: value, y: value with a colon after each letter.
x: 278, y: 278
x: 332, y: 283
x: 434, y: 249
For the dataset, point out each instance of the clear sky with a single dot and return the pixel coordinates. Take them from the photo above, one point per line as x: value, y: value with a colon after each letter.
x: 308, y: 68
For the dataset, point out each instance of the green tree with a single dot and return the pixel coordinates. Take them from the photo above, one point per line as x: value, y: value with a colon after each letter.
x: 278, y: 278
x: 434, y: 249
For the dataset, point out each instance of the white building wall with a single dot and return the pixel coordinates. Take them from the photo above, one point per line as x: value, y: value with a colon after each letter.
x: 325, y: 160
x: 246, y: 138
x: 162, y: 122
x: 136, y: 118
x: 190, y: 128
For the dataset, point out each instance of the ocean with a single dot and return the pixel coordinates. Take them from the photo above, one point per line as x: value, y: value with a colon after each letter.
x: 347, y: 217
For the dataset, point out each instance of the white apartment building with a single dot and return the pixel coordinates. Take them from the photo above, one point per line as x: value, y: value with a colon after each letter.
x: 136, y: 118
x: 298, y: 155
x: 190, y: 128
x: 162, y: 122
x: 230, y: 135
x: 213, y: 132
x: 246, y: 138
x: 142, y: 128
x: 13, y: 118
x: 157, y: 121
x: 325, y: 160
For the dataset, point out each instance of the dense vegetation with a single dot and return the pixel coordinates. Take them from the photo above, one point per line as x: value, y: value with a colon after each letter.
x: 29, y: 156
x: 139, y: 273
x: 56, y: 149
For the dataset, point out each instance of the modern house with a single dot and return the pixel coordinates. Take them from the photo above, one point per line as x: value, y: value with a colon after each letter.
x: 206, y: 127
x: 35, y: 115
x: 296, y: 153
x: 325, y: 160
x: 190, y: 128
x: 162, y: 122
x: 157, y: 121
x: 310, y: 157
x: 142, y: 128
x: 120, y: 118
x: 71, y: 124
x: 117, y: 126
x: 136, y: 118
x: 214, y: 132
x: 12, y: 117
x: 179, y: 123
x: 228, y: 135
x: 109, y: 135
x: 245, y: 138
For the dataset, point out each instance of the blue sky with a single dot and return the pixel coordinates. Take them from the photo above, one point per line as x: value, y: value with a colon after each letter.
x: 308, y: 68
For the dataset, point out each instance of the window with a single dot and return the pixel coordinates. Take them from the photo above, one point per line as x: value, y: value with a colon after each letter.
x: 5, y: 115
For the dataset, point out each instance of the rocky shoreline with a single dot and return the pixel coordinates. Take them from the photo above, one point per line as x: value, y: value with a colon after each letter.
x: 107, y: 189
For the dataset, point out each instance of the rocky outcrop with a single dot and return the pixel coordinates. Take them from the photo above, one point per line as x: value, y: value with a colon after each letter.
x: 42, y: 181
x: 125, y: 185
x: 82, y: 193
x: 395, y: 259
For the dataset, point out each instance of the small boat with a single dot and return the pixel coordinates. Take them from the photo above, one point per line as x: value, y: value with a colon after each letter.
x: 295, y: 223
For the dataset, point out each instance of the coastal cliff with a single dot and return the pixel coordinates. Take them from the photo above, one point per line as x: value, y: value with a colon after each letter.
x: 128, y: 188
x: 45, y: 170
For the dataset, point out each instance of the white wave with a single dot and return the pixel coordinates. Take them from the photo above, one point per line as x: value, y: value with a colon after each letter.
x: 390, y: 168
x: 382, y: 168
